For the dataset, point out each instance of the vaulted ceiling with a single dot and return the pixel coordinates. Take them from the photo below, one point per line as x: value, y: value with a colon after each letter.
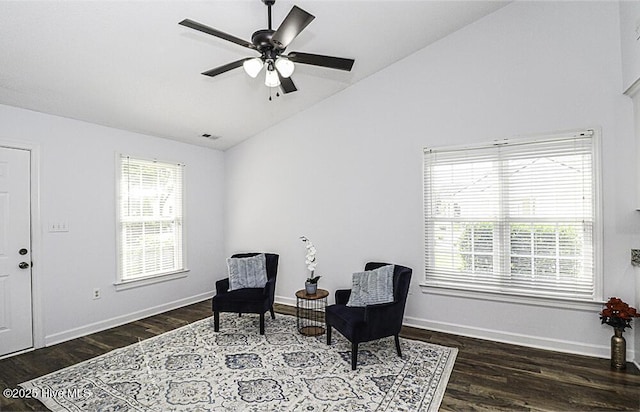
x: 129, y: 65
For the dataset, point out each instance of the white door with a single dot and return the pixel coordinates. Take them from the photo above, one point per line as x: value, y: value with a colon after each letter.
x: 15, y: 251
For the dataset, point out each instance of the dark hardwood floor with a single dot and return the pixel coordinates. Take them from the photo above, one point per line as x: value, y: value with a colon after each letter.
x: 487, y: 376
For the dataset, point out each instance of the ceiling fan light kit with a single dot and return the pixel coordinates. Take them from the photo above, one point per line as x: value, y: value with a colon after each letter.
x: 271, y: 45
x: 253, y: 66
x: 271, y: 79
x: 285, y: 67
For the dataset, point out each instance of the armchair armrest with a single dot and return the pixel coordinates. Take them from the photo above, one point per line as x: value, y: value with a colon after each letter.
x: 269, y: 288
x: 384, y: 319
x: 222, y: 286
x: 385, y: 311
x: 342, y: 296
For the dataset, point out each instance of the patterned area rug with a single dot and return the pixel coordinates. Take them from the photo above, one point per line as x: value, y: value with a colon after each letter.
x: 195, y: 369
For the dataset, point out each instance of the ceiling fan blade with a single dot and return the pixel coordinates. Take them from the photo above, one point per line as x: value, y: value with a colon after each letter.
x: 291, y: 26
x: 225, y: 68
x: 217, y: 33
x: 286, y: 84
x: 330, y: 62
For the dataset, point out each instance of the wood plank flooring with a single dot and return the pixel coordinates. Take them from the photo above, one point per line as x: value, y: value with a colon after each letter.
x: 487, y: 376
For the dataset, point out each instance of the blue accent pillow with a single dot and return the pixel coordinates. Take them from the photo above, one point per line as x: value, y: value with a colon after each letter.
x: 372, y: 287
x: 249, y: 272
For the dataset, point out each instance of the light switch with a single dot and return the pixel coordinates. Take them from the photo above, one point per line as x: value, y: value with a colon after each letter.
x: 59, y: 226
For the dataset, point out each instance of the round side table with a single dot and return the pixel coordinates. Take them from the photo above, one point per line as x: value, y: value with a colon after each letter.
x: 310, y: 312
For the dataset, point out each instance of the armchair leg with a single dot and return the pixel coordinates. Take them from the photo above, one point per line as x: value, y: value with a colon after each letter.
x: 328, y: 327
x: 354, y: 355
x: 216, y: 321
x: 398, y: 345
x: 262, y: 323
x: 273, y: 314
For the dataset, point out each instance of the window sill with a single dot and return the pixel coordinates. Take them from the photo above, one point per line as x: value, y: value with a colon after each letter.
x: 555, y: 303
x: 149, y: 280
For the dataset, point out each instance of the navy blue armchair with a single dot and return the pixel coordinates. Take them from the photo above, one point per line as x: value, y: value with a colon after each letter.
x: 364, y: 324
x: 248, y: 300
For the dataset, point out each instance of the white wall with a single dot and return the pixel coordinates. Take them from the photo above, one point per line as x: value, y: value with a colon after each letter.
x: 77, y: 186
x: 347, y: 173
x: 636, y: 105
x: 634, y: 93
x: 630, y: 39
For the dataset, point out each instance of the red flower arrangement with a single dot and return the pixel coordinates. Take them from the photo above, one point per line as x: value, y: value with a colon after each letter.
x: 618, y: 314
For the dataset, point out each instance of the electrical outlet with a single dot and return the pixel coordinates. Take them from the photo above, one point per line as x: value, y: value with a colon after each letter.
x: 96, y: 293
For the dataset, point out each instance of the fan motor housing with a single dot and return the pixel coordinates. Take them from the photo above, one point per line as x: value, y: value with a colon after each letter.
x: 262, y: 40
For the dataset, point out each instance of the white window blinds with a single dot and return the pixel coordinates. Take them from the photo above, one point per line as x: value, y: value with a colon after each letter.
x: 151, y: 218
x: 513, y: 218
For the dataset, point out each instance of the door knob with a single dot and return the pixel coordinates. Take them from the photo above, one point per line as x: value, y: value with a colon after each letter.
x: 23, y: 265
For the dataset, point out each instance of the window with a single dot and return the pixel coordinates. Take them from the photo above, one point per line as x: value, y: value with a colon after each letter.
x: 150, y: 209
x: 513, y: 217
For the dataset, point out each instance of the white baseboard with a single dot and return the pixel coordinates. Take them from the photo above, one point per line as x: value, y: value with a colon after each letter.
x: 121, y: 320
x: 579, y: 348
x: 285, y: 301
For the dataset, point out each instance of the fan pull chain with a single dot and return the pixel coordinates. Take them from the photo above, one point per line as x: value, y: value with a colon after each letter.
x: 277, y: 94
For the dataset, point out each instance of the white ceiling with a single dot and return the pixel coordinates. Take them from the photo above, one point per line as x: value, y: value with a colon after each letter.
x: 129, y: 65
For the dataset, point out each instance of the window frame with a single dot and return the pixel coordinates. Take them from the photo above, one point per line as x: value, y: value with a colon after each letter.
x: 143, y: 280
x: 515, y: 296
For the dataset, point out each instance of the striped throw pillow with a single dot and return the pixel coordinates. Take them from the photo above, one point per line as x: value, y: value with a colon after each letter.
x: 249, y: 272
x: 372, y: 287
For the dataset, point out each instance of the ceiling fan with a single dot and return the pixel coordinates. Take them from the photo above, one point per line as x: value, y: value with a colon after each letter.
x: 271, y: 45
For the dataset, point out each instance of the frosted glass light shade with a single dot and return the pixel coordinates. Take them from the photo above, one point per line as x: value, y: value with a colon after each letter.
x: 272, y: 79
x: 285, y: 67
x: 253, y: 66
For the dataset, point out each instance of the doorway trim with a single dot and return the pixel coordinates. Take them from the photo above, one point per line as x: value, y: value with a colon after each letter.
x: 37, y: 321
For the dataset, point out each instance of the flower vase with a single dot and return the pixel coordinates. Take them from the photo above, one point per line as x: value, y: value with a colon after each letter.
x: 311, y: 288
x: 618, y: 350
